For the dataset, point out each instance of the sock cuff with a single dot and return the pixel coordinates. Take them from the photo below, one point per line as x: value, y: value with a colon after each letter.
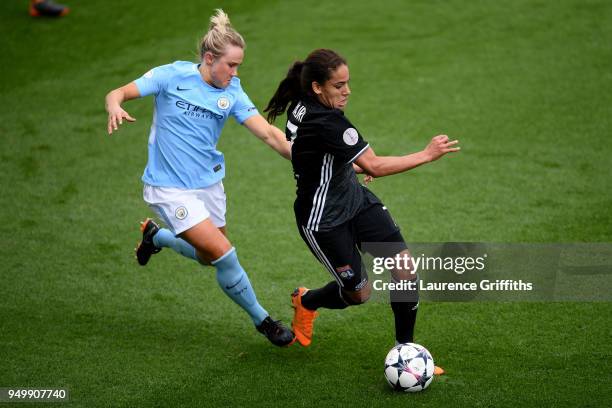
x: 225, y: 256
x: 163, y: 238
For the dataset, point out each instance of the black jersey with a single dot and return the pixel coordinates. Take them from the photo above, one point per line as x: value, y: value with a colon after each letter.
x: 325, y: 144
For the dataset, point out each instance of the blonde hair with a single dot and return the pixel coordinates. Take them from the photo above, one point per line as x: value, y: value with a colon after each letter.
x: 220, y: 34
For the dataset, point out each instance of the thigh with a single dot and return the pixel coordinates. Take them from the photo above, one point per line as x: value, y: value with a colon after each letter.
x: 186, y: 214
x: 215, y: 201
x: 179, y: 209
x: 337, y: 251
x: 377, y: 233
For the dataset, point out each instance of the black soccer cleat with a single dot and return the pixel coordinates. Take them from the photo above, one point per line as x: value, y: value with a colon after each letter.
x: 146, y: 248
x: 47, y: 8
x: 276, y: 332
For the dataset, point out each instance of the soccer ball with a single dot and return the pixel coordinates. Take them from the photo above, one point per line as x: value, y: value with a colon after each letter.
x: 409, y: 367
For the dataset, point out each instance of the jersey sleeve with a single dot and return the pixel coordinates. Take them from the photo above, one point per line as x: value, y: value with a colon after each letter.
x: 243, y: 107
x: 342, y: 139
x: 155, y: 80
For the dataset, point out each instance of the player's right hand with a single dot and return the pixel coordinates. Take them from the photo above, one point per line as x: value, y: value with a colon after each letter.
x: 439, y: 146
x: 115, y: 118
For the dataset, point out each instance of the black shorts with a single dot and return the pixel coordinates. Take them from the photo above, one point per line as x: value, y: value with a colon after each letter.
x: 339, y: 249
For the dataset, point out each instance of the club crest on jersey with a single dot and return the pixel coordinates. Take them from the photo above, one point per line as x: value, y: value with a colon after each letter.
x: 350, y: 136
x: 223, y: 103
x: 181, y: 213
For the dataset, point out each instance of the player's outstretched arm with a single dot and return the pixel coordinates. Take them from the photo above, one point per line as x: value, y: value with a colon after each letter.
x: 380, y: 166
x: 269, y: 134
x: 114, y: 99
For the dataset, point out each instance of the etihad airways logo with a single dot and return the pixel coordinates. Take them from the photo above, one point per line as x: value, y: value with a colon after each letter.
x: 196, y: 111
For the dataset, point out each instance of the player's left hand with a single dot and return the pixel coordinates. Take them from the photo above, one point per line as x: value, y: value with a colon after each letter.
x: 439, y: 146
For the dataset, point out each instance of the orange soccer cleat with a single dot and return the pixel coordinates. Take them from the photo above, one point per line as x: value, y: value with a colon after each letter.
x: 438, y: 370
x: 303, y: 318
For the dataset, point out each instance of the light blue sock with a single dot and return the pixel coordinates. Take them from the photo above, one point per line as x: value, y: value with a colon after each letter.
x: 235, y: 283
x: 166, y: 239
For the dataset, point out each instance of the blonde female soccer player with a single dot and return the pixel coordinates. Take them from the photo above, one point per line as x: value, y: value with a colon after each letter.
x: 183, y: 177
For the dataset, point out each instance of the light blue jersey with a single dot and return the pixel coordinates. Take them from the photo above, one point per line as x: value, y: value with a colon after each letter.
x: 187, y: 122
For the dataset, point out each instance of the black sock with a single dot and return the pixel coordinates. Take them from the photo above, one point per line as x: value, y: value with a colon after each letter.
x: 405, y: 318
x: 328, y: 297
x: 405, y: 304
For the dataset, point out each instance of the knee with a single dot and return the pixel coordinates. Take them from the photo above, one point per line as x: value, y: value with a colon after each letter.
x: 227, y: 262
x: 358, y: 296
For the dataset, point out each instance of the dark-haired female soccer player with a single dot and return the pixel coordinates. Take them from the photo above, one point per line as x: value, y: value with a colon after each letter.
x: 334, y: 212
x: 183, y: 177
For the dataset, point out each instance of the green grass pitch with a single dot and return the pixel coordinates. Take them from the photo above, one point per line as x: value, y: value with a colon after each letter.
x: 524, y: 85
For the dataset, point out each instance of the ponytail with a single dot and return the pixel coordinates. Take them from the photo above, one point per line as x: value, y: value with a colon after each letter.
x: 317, y: 67
x: 288, y: 90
